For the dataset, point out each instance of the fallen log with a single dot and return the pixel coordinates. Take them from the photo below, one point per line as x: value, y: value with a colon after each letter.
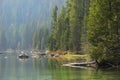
x: 86, y: 64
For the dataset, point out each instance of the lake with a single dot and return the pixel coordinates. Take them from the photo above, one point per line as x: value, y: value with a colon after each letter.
x: 11, y: 68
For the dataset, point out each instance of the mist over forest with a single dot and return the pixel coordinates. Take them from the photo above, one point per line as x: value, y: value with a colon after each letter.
x: 20, y: 20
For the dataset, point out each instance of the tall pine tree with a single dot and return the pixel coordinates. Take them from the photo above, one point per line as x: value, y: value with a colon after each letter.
x: 52, y: 40
x: 104, y: 30
x: 76, y: 18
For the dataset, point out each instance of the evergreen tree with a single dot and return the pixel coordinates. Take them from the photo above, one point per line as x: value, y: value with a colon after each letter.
x: 62, y: 30
x: 52, y: 40
x: 76, y: 18
x: 104, y: 30
x: 68, y: 31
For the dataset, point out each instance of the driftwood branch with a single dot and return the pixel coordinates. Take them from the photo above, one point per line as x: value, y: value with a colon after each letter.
x: 85, y: 64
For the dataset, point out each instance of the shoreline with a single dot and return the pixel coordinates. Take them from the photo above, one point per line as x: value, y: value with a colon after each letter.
x: 67, y: 58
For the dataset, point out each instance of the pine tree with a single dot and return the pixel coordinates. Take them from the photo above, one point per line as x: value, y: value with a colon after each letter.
x: 76, y: 18
x: 62, y: 30
x: 104, y: 30
x: 52, y: 40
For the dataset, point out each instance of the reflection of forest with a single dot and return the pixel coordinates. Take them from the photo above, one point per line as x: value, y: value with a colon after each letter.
x: 13, y: 69
x: 47, y: 69
x: 44, y: 69
x: 41, y: 69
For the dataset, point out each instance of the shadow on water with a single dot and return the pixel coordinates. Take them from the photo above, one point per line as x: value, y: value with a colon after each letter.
x: 12, y: 68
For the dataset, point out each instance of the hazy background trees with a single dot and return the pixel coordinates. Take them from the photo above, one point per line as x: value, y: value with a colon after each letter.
x: 21, y: 19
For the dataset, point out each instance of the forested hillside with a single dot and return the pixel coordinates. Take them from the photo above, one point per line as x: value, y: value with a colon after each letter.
x: 77, y: 26
x: 104, y: 31
x: 69, y: 27
x: 20, y: 19
x: 95, y: 23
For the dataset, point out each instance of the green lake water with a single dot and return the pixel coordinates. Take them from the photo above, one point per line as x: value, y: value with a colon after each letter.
x: 11, y: 68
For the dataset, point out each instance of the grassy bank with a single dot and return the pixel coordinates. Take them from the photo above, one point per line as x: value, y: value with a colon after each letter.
x: 77, y: 57
x: 71, y: 57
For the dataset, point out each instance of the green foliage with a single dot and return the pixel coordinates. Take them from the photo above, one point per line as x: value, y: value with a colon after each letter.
x: 62, y: 31
x: 103, y: 30
x: 76, y: 18
x: 68, y: 31
x: 52, y: 40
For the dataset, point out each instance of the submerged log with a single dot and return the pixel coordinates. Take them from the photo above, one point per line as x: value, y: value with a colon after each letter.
x: 86, y: 64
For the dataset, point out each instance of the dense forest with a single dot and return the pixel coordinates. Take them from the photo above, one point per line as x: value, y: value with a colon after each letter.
x: 79, y: 26
x: 104, y: 31
x: 59, y: 39
x: 68, y: 26
x: 89, y: 27
x: 20, y: 20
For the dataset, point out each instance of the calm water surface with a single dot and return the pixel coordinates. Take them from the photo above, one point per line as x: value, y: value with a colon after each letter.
x: 11, y: 68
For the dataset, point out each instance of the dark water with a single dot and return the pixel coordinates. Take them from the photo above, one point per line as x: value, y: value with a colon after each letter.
x: 11, y: 68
